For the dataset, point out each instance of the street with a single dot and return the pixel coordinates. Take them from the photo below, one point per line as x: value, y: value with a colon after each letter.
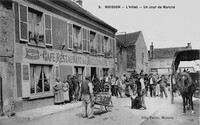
x: 159, y: 111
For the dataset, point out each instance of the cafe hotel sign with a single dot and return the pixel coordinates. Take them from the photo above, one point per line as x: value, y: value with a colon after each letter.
x: 38, y: 55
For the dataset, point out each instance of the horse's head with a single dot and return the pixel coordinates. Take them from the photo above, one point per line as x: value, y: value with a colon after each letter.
x: 183, y: 81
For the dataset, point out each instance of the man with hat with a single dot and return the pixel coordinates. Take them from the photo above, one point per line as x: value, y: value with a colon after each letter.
x: 87, y: 98
x: 152, y: 83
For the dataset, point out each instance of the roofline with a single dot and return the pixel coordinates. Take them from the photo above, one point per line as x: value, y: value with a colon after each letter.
x: 92, y: 18
x: 170, y: 47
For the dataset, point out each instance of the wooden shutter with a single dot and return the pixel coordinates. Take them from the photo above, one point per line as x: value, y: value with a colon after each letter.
x: 111, y: 47
x: 114, y: 48
x: 102, y: 44
x: 84, y: 36
x: 25, y: 80
x: 23, y: 25
x: 99, y: 44
x: 88, y: 41
x: 19, y: 79
x: 48, y: 31
x: 70, y: 36
x: 57, y: 71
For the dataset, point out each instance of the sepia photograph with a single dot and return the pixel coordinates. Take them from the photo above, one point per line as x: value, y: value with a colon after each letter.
x: 99, y: 62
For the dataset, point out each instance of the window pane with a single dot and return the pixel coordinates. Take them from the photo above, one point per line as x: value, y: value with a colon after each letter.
x: 39, y: 84
x: 32, y: 89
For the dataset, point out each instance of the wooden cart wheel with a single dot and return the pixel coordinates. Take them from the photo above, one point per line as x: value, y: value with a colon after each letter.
x: 109, y: 108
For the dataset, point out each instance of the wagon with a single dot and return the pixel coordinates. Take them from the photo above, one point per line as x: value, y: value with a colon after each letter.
x: 103, y: 99
x: 185, y: 55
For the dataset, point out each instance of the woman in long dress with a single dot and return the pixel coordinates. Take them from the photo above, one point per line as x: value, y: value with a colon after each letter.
x: 58, y: 92
x: 66, y: 90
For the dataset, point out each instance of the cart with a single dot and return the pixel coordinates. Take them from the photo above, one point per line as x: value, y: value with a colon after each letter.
x: 185, y: 55
x: 103, y: 99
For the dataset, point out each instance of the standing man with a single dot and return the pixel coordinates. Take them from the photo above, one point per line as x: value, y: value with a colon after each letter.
x: 163, y: 84
x: 87, y: 98
x: 70, y: 88
x: 113, y: 81
x: 76, y: 88
x: 146, y: 83
x: 152, y: 83
x: 142, y: 91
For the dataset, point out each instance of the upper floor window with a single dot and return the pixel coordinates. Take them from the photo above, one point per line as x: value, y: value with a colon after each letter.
x: 35, y: 26
x: 86, y: 40
x: 77, y: 42
x: 70, y: 36
x: 93, y: 46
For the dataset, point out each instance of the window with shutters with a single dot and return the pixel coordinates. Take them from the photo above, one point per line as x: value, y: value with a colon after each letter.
x: 85, y: 40
x: 93, y: 48
x: 48, y: 30
x: 77, y: 40
x: 107, y: 47
x: 36, y: 27
x: 23, y: 26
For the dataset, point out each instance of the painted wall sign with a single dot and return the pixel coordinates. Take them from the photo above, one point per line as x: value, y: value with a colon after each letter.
x: 36, y: 55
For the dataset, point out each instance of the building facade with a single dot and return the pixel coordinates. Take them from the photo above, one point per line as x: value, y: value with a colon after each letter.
x: 132, y: 53
x: 53, y: 39
x: 160, y: 59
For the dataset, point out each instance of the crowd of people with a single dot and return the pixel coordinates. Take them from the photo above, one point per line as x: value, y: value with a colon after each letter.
x: 69, y: 90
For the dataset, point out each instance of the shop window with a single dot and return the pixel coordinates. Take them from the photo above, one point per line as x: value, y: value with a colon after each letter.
x: 40, y: 78
x: 35, y: 27
x: 77, y: 41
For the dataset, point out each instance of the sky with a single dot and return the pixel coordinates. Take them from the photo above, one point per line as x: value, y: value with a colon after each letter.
x: 164, y: 27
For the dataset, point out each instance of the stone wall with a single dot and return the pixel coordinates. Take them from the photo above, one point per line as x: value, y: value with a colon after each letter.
x: 6, y: 55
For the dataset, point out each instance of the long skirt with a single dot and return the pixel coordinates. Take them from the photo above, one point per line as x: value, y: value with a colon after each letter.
x: 59, y: 97
x: 66, y: 95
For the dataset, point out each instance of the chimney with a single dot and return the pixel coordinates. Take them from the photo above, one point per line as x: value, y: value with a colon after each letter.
x: 189, y: 46
x: 79, y: 2
x: 151, y: 50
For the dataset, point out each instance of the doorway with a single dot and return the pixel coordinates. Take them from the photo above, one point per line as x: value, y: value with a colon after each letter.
x: 105, y: 71
x: 93, y: 72
x: 79, y: 73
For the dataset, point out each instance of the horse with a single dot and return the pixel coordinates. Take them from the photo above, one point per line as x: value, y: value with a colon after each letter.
x: 186, y: 87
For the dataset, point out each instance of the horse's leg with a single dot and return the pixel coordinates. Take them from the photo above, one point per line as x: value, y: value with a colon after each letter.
x: 187, y: 103
x: 184, y: 101
x: 191, y: 104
